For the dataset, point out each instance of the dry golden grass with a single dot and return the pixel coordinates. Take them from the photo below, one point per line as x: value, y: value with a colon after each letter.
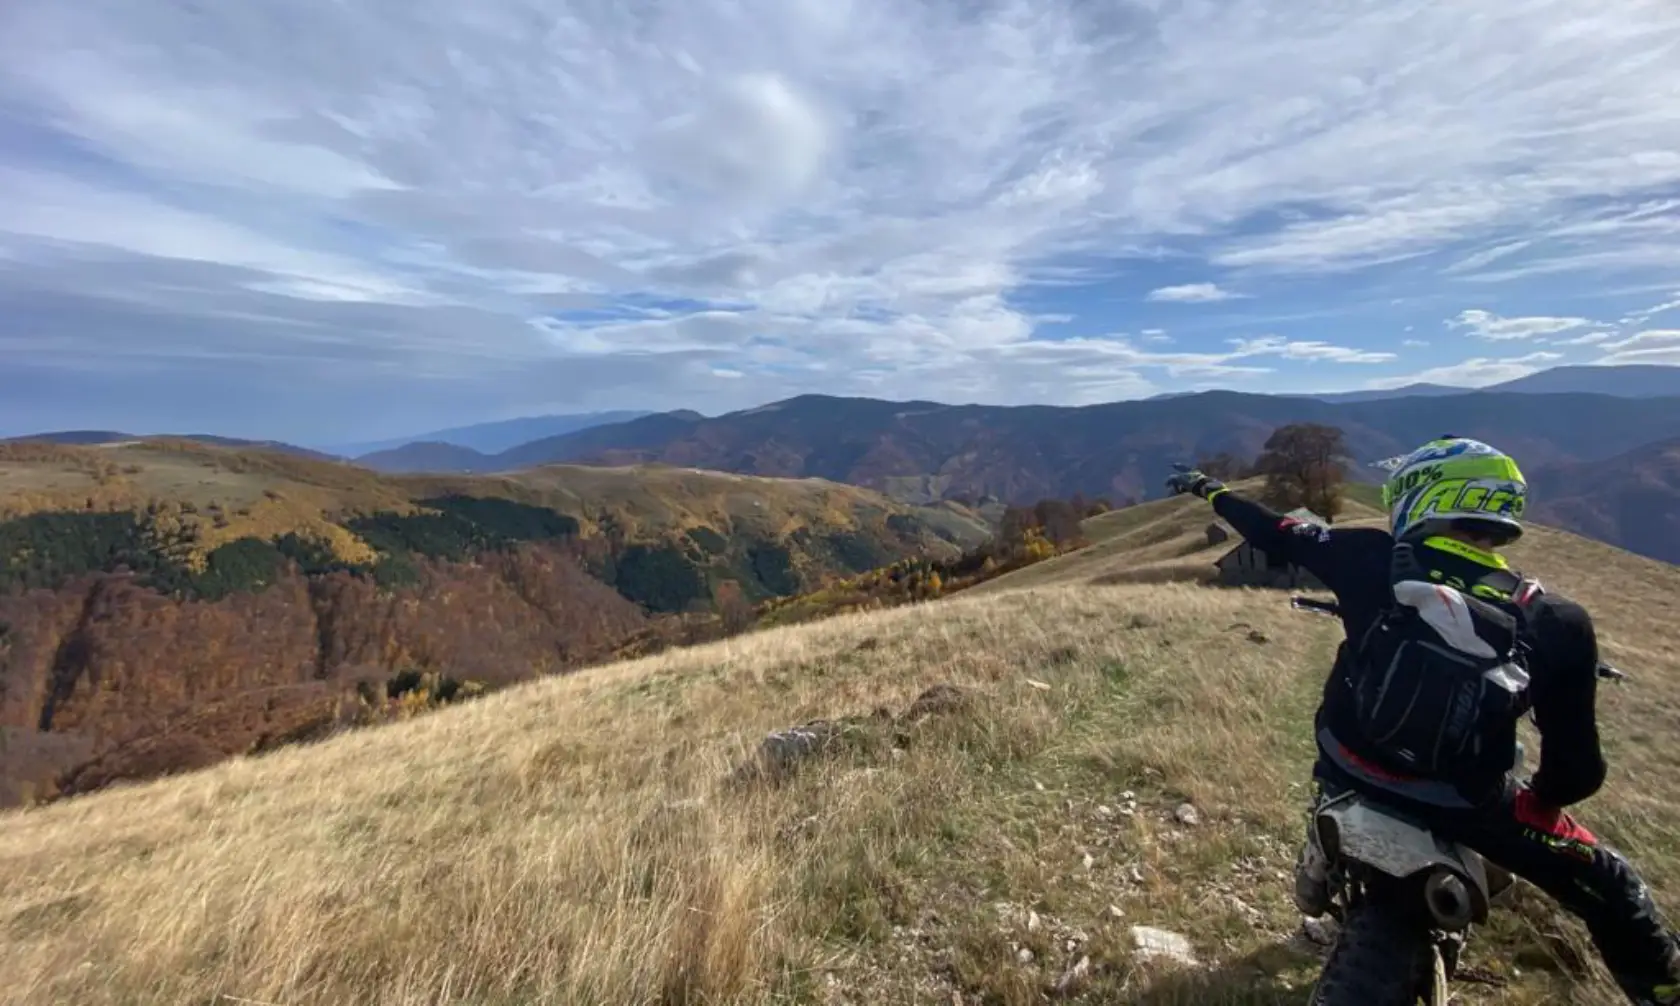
x: 572, y: 841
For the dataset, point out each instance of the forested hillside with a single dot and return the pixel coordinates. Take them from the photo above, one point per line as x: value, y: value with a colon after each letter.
x: 166, y: 604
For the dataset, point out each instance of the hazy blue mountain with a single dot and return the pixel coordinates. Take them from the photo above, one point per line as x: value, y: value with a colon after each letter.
x: 496, y: 437
x: 1640, y: 380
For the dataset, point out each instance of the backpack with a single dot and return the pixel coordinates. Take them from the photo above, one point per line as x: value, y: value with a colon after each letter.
x: 1440, y: 679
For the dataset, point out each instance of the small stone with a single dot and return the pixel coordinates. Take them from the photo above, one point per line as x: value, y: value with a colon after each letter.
x: 1137, y: 874
x: 1161, y: 944
x: 1320, y: 931
x: 1024, y: 956
x: 1090, y: 861
x: 1187, y: 815
x: 1040, y: 685
x: 1038, y: 785
x: 1114, y: 912
x: 1033, y: 922
x: 1103, y: 810
x: 1128, y: 797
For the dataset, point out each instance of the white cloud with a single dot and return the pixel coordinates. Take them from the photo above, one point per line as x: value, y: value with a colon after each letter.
x: 1486, y: 325
x: 1476, y: 372
x: 813, y: 194
x: 1646, y: 314
x: 1307, y: 350
x: 1589, y: 339
x: 1190, y: 293
x: 1660, y: 346
x: 1414, y: 343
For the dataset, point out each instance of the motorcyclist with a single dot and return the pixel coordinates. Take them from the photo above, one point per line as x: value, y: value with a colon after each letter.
x: 1458, y: 501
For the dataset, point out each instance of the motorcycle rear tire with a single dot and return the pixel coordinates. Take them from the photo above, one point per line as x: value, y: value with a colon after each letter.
x: 1381, y: 958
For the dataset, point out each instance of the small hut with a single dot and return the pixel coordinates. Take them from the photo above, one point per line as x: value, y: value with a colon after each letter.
x: 1247, y: 566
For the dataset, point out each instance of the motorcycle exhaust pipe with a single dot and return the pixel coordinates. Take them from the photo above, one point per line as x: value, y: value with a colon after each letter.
x: 1449, y: 901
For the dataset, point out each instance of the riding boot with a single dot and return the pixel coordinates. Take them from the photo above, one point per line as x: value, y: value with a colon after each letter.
x: 1312, y: 868
x: 1665, y: 992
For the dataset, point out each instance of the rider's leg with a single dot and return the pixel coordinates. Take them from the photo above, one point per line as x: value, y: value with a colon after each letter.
x: 1593, y: 882
x: 1312, y: 869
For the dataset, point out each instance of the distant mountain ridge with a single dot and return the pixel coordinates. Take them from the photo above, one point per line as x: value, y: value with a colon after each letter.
x: 94, y: 438
x: 1642, y: 380
x: 1120, y: 450
x: 1023, y: 453
x: 1631, y: 500
x: 495, y: 437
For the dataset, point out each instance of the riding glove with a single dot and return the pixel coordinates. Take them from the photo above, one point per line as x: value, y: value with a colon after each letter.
x: 1188, y: 480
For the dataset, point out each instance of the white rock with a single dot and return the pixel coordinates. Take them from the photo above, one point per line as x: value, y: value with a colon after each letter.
x: 1024, y: 955
x: 1128, y: 797
x: 1114, y: 912
x: 1040, y: 685
x: 1033, y: 923
x: 1187, y: 815
x: 1038, y: 785
x: 1137, y: 874
x: 1103, y: 810
x: 1153, y: 944
x: 1090, y: 861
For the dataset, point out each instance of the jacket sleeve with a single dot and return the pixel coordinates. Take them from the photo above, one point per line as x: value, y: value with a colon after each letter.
x: 1313, y: 547
x: 1564, y: 689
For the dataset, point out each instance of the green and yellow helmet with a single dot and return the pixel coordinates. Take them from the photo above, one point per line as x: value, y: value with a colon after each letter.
x: 1452, y: 479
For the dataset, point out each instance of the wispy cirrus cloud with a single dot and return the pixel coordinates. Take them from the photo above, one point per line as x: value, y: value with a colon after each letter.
x: 1653, y: 346
x: 1475, y: 372
x: 515, y: 205
x: 1190, y: 293
x: 1490, y: 326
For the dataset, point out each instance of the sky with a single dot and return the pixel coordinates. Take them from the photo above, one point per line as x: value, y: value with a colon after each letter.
x: 336, y: 220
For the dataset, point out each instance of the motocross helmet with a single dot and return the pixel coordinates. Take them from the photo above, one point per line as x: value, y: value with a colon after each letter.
x: 1453, y: 481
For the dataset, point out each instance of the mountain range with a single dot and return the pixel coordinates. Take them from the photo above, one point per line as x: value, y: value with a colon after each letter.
x: 1592, y: 438
x: 493, y: 437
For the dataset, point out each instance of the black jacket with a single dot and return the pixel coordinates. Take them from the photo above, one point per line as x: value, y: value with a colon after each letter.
x: 1354, y: 564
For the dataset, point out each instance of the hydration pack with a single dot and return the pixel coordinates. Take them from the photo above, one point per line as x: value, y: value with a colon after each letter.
x: 1440, y: 679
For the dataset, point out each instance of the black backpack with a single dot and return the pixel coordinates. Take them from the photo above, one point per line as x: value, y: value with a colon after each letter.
x: 1440, y: 680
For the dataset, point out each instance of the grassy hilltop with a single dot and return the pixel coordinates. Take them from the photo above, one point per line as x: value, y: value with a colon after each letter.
x: 575, y: 840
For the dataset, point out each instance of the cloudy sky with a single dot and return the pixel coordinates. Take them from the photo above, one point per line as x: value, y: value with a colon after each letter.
x: 329, y: 220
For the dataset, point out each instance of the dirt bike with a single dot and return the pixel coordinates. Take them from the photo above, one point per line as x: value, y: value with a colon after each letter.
x: 1406, y: 899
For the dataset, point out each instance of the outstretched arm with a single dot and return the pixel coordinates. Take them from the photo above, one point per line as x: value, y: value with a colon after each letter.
x: 1313, y: 547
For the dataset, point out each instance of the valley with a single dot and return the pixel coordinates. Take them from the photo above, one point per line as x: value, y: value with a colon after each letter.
x: 166, y: 604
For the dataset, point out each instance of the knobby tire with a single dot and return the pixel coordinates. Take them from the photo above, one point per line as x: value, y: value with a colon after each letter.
x: 1380, y: 958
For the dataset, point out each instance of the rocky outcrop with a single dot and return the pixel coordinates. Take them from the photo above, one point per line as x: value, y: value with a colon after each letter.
x: 783, y: 752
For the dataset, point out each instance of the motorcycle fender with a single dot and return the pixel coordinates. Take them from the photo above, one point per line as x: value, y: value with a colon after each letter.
x: 1369, y: 835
